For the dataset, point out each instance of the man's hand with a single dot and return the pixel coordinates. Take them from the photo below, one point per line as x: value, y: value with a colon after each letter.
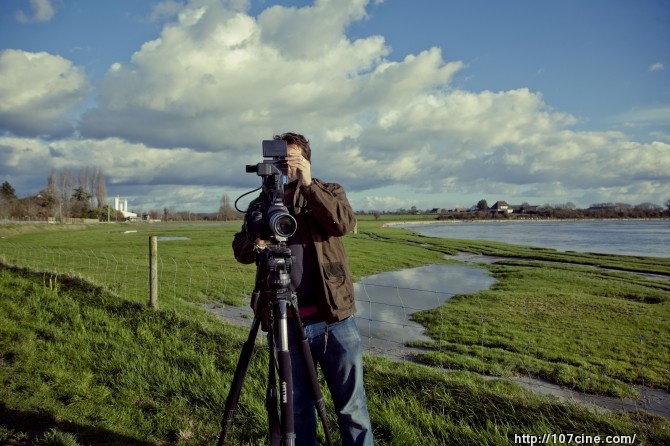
x: 299, y: 166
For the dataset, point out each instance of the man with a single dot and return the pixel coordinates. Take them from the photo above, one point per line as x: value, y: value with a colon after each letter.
x: 321, y: 279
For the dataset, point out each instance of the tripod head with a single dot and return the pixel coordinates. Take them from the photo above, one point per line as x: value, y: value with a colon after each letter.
x: 274, y: 268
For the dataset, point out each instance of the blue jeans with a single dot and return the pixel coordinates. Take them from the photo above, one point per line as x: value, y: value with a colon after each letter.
x: 337, y: 348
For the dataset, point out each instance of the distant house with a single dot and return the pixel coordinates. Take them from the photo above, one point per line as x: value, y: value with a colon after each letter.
x: 525, y: 209
x: 501, y: 206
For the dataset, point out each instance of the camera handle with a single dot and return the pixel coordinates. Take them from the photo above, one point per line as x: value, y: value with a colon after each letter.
x: 276, y: 304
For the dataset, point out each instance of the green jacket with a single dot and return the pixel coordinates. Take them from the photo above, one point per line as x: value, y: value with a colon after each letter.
x: 324, y: 216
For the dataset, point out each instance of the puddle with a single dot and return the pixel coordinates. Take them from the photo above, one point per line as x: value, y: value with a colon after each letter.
x: 386, y: 301
x: 655, y: 401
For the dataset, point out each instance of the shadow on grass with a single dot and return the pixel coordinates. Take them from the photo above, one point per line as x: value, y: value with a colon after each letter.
x: 26, y: 427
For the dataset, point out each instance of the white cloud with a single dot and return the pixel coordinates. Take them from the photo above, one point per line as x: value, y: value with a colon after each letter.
x: 165, y: 10
x: 216, y: 73
x: 372, y: 202
x: 644, y: 116
x: 38, y: 92
x: 658, y: 66
x: 189, y: 109
x: 42, y: 11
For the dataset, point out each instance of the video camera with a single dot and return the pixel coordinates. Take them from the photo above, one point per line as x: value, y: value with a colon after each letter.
x: 269, y: 219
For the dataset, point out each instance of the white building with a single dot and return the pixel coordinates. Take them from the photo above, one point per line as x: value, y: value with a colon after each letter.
x: 122, y: 206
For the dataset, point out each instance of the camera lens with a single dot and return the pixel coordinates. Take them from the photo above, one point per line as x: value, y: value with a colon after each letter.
x: 282, y: 224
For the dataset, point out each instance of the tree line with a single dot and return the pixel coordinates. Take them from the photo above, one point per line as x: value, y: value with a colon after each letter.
x: 69, y: 194
x: 81, y: 194
x: 564, y: 211
x: 482, y: 210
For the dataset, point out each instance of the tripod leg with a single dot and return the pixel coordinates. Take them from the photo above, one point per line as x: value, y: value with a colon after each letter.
x: 306, y: 352
x: 285, y: 374
x: 271, y: 400
x: 238, y: 380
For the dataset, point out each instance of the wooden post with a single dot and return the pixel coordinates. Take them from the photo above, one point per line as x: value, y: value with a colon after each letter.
x: 153, y: 272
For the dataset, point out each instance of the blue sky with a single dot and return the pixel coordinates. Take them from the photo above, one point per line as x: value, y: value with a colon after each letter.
x: 433, y: 103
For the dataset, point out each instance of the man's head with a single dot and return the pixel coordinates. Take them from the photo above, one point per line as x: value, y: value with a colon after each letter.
x: 297, y: 140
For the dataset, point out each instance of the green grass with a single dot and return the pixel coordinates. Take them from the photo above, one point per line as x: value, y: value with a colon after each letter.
x: 124, y: 372
x: 584, y: 328
x: 84, y: 361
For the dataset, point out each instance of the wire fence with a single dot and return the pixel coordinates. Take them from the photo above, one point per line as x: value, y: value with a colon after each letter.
x: 385, y: 319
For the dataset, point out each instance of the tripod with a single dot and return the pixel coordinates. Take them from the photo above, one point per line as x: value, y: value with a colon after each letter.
x: 272, y: 301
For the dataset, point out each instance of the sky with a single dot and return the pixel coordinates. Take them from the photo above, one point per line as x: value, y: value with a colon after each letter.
x: 429, y: 103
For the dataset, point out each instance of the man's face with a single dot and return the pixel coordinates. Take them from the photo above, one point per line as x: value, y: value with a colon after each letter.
x: 293, y: 151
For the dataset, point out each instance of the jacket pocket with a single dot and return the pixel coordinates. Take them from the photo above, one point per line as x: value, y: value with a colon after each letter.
x: 337, y: 285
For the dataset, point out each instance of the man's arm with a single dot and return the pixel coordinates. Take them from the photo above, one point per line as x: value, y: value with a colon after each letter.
x: 330, y: 207
x: 243, y: 248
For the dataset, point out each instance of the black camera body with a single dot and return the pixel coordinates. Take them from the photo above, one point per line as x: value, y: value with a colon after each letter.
x: 268, y: 218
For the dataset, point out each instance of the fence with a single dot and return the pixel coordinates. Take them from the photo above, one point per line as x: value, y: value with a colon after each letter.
x: 384, y: 318
x: 129, y: 276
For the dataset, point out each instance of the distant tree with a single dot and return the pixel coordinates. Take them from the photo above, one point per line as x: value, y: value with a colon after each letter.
x: 226, y: 211
x: 7, y: 191
x: 646, y: 210
x: 667, y: 205
x: 64, y: 195
x: 80, y: 194
x: 100, y: 189
x: 8, y: 200
x: 482, y: 205
x: 169, y: 213
x: 46, y: 200
x: 82, y: 183
x: 52, y: 185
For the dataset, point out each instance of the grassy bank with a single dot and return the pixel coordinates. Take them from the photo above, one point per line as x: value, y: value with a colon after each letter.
x: 84, y: 363
x: 586, y: 321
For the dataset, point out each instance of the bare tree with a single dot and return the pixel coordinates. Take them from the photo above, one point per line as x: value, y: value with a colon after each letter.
x: 89, y: 185
x: 226, y: 210
x: 100, y: 190
x: 52, y: 186
x: 52, y: 193
x: 65, y: 192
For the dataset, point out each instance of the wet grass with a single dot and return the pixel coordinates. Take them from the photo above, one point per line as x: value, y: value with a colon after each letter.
x: 587, y: 321
x: 82, y: 363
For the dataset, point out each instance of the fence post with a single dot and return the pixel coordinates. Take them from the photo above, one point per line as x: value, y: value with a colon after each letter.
x: 153, y: 272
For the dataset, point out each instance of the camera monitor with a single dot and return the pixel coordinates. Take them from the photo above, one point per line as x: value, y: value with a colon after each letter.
x: 275, y: 148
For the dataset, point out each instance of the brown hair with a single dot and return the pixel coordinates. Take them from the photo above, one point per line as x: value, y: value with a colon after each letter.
x: 299, y: 140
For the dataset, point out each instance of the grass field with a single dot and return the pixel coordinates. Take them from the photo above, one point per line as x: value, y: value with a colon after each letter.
x: 83, y: 360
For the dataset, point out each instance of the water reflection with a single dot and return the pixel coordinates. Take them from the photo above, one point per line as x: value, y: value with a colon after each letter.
x: 385, y: 301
